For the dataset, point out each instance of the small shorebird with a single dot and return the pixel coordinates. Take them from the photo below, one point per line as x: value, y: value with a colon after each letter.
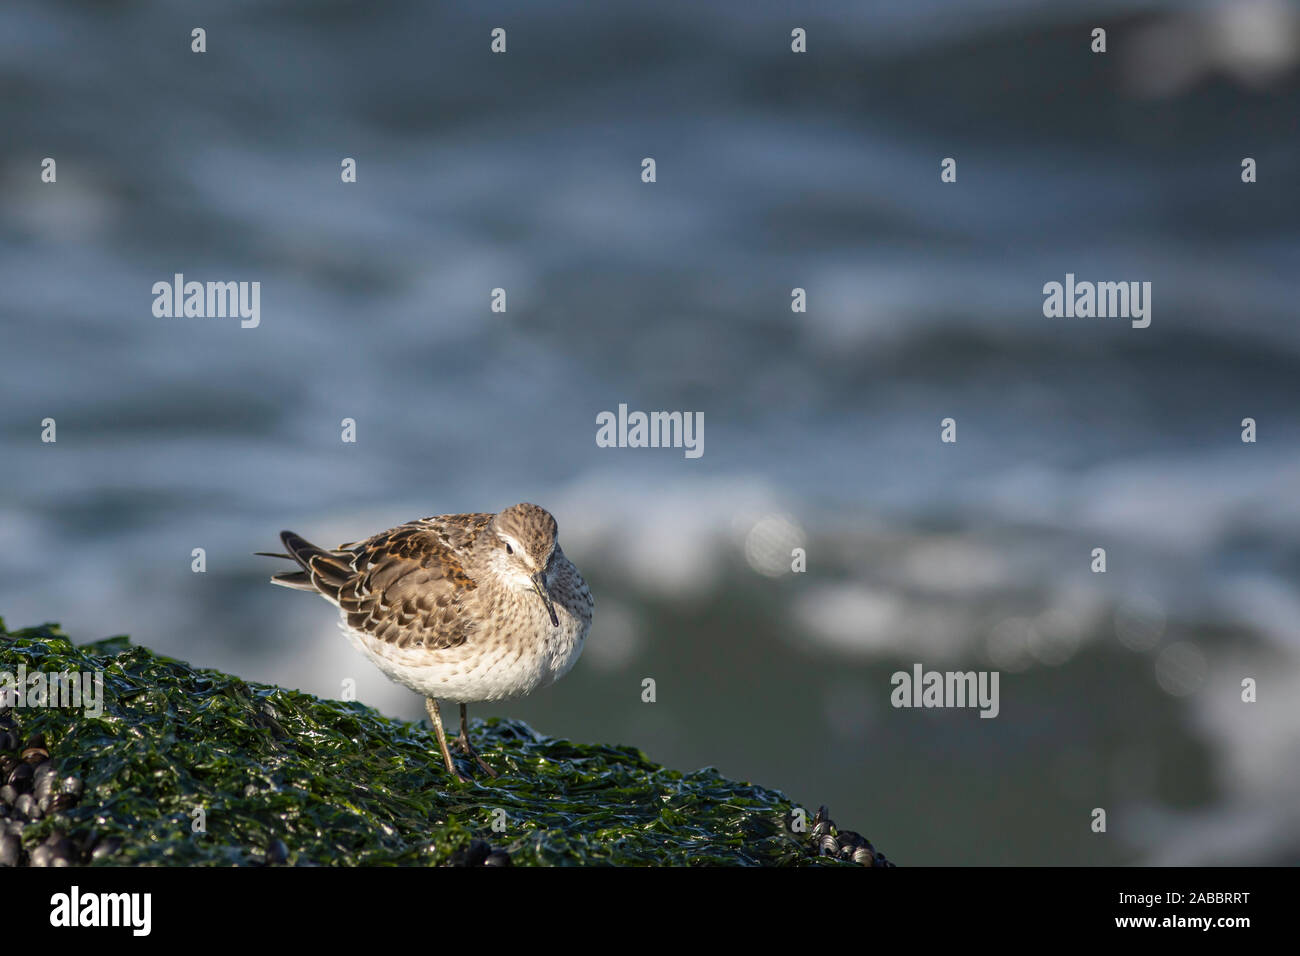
x: 467, y: 608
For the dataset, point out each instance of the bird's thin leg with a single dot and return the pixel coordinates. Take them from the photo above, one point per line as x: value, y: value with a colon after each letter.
x: 466, y: 747
x: 435, y: 717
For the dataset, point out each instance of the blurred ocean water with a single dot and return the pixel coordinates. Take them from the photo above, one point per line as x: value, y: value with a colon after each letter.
x: 775, y: 171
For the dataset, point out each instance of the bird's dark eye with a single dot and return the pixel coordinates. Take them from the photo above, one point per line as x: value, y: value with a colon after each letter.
x: 509, y: 550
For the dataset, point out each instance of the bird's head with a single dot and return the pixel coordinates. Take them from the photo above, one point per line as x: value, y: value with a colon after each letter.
x: 523, y: 539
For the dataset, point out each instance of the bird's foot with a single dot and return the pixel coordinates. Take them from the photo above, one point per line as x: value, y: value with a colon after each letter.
x: 462, y: 742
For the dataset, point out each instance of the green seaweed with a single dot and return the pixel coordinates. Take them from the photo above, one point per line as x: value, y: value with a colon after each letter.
x: 340, y: 784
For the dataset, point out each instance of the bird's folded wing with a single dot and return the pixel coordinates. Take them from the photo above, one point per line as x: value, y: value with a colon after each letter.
x: 405, y: 588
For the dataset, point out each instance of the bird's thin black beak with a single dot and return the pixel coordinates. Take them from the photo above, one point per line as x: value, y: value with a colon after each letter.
x: 539, y: 585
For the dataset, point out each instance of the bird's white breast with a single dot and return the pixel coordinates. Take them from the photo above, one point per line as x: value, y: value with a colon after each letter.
x: 502, y: 659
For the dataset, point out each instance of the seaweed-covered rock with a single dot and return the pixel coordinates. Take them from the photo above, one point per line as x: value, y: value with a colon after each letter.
x: 192, y: 767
